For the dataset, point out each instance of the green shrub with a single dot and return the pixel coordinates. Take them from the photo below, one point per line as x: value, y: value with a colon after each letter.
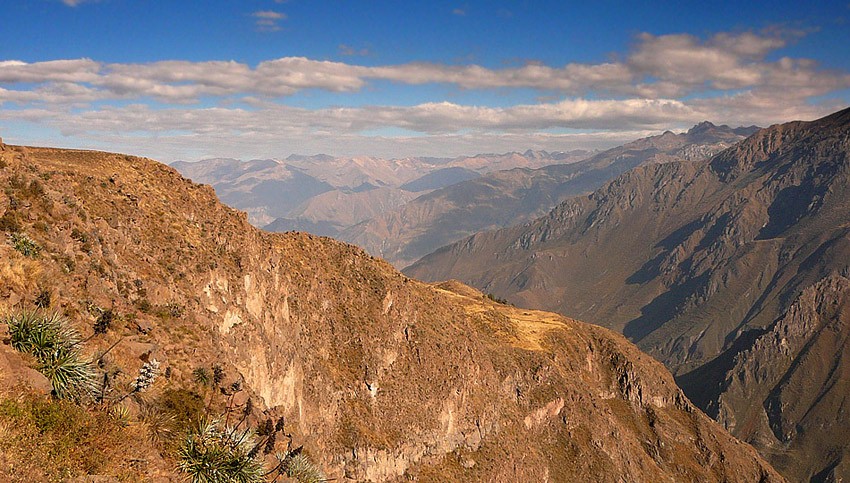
x: 214, y: 453
x: 24, y: 244
x: 55, y: 346
x: 302, y: 470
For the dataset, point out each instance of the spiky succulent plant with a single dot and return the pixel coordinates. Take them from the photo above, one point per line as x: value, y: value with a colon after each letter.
x: 55, y: 346
x: 302, y: 470
x: 214, y: 453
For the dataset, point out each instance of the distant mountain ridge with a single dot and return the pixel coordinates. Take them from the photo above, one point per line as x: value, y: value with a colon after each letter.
x: 732, y: 271
x: 505, y: 198
x: 291, y: 190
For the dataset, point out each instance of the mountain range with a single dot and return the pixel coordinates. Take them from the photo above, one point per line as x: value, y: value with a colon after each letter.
x: 327, y: 194
x: 732, y: 271
x: 507, y: 197
x: 380, y: 377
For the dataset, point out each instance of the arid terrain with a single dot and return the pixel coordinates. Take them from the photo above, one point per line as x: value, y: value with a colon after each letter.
x: 732, y: 271
x: 379, y: 376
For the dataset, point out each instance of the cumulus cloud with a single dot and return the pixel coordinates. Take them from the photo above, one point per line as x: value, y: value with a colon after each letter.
x: 665, y: 81
x: 658, y: 67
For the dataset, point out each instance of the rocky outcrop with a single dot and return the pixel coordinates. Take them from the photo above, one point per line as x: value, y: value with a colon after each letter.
x: 381, y: 377
x: 16, y: 372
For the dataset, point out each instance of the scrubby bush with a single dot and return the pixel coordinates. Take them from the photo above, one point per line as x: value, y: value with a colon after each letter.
x: 25, y: 245
x: 161, y: 425
x: 104, y: 321
x: 9, y: 222
x: 186, y: 406
x: 214, y: 453
x: 498, y: 300
x: 55, y: 345
x: 43, y: 300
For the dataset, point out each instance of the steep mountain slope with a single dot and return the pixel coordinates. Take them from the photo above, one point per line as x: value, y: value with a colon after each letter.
x: 694, y: 262
x: 383, y: 378
x: 505, y: 198
x: 265, y: 189
x: 785, y: 388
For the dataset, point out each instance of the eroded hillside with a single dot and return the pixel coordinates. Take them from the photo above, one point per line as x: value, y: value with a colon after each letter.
x: 380, y: 376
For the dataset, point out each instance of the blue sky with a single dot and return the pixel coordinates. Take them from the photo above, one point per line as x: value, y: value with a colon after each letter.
x: 193, y: 79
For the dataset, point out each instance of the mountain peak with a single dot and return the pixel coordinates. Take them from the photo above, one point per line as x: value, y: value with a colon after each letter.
x: 779, y: 143
x: 702, y: 127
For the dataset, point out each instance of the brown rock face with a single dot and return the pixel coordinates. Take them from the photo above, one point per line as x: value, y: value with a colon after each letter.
x: 785, y: 389
x: 692, y: 261
x: 16, y: 370
x: 382, y: 378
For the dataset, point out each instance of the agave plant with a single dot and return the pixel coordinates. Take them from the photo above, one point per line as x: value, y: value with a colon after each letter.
x: 214, y: 453
x: 161, y: 424
x: 121, y: 414
x: 41, y: 335
x: 55, y: 346
x: 302, y: 470
x: 72, y: 376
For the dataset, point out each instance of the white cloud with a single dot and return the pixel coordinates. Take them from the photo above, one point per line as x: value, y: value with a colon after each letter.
x: 347, y: 50
x: 658, y: 67
x: 665, y: 81
x: 271, y: 15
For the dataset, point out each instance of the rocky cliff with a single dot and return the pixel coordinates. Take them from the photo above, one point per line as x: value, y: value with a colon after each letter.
x: 381, y: 377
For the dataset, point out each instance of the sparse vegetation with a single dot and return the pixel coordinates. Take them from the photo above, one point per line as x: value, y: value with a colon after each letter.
x: 104, y: 321
x: 25, y: 245
x: 301, y: 469
x: 214, y: 453
x: 498, y: 300
x: 9, y: 222
x: 42, y: 301
x: 44, y: 439
x: 185, y: 406
x: 55, y: 345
